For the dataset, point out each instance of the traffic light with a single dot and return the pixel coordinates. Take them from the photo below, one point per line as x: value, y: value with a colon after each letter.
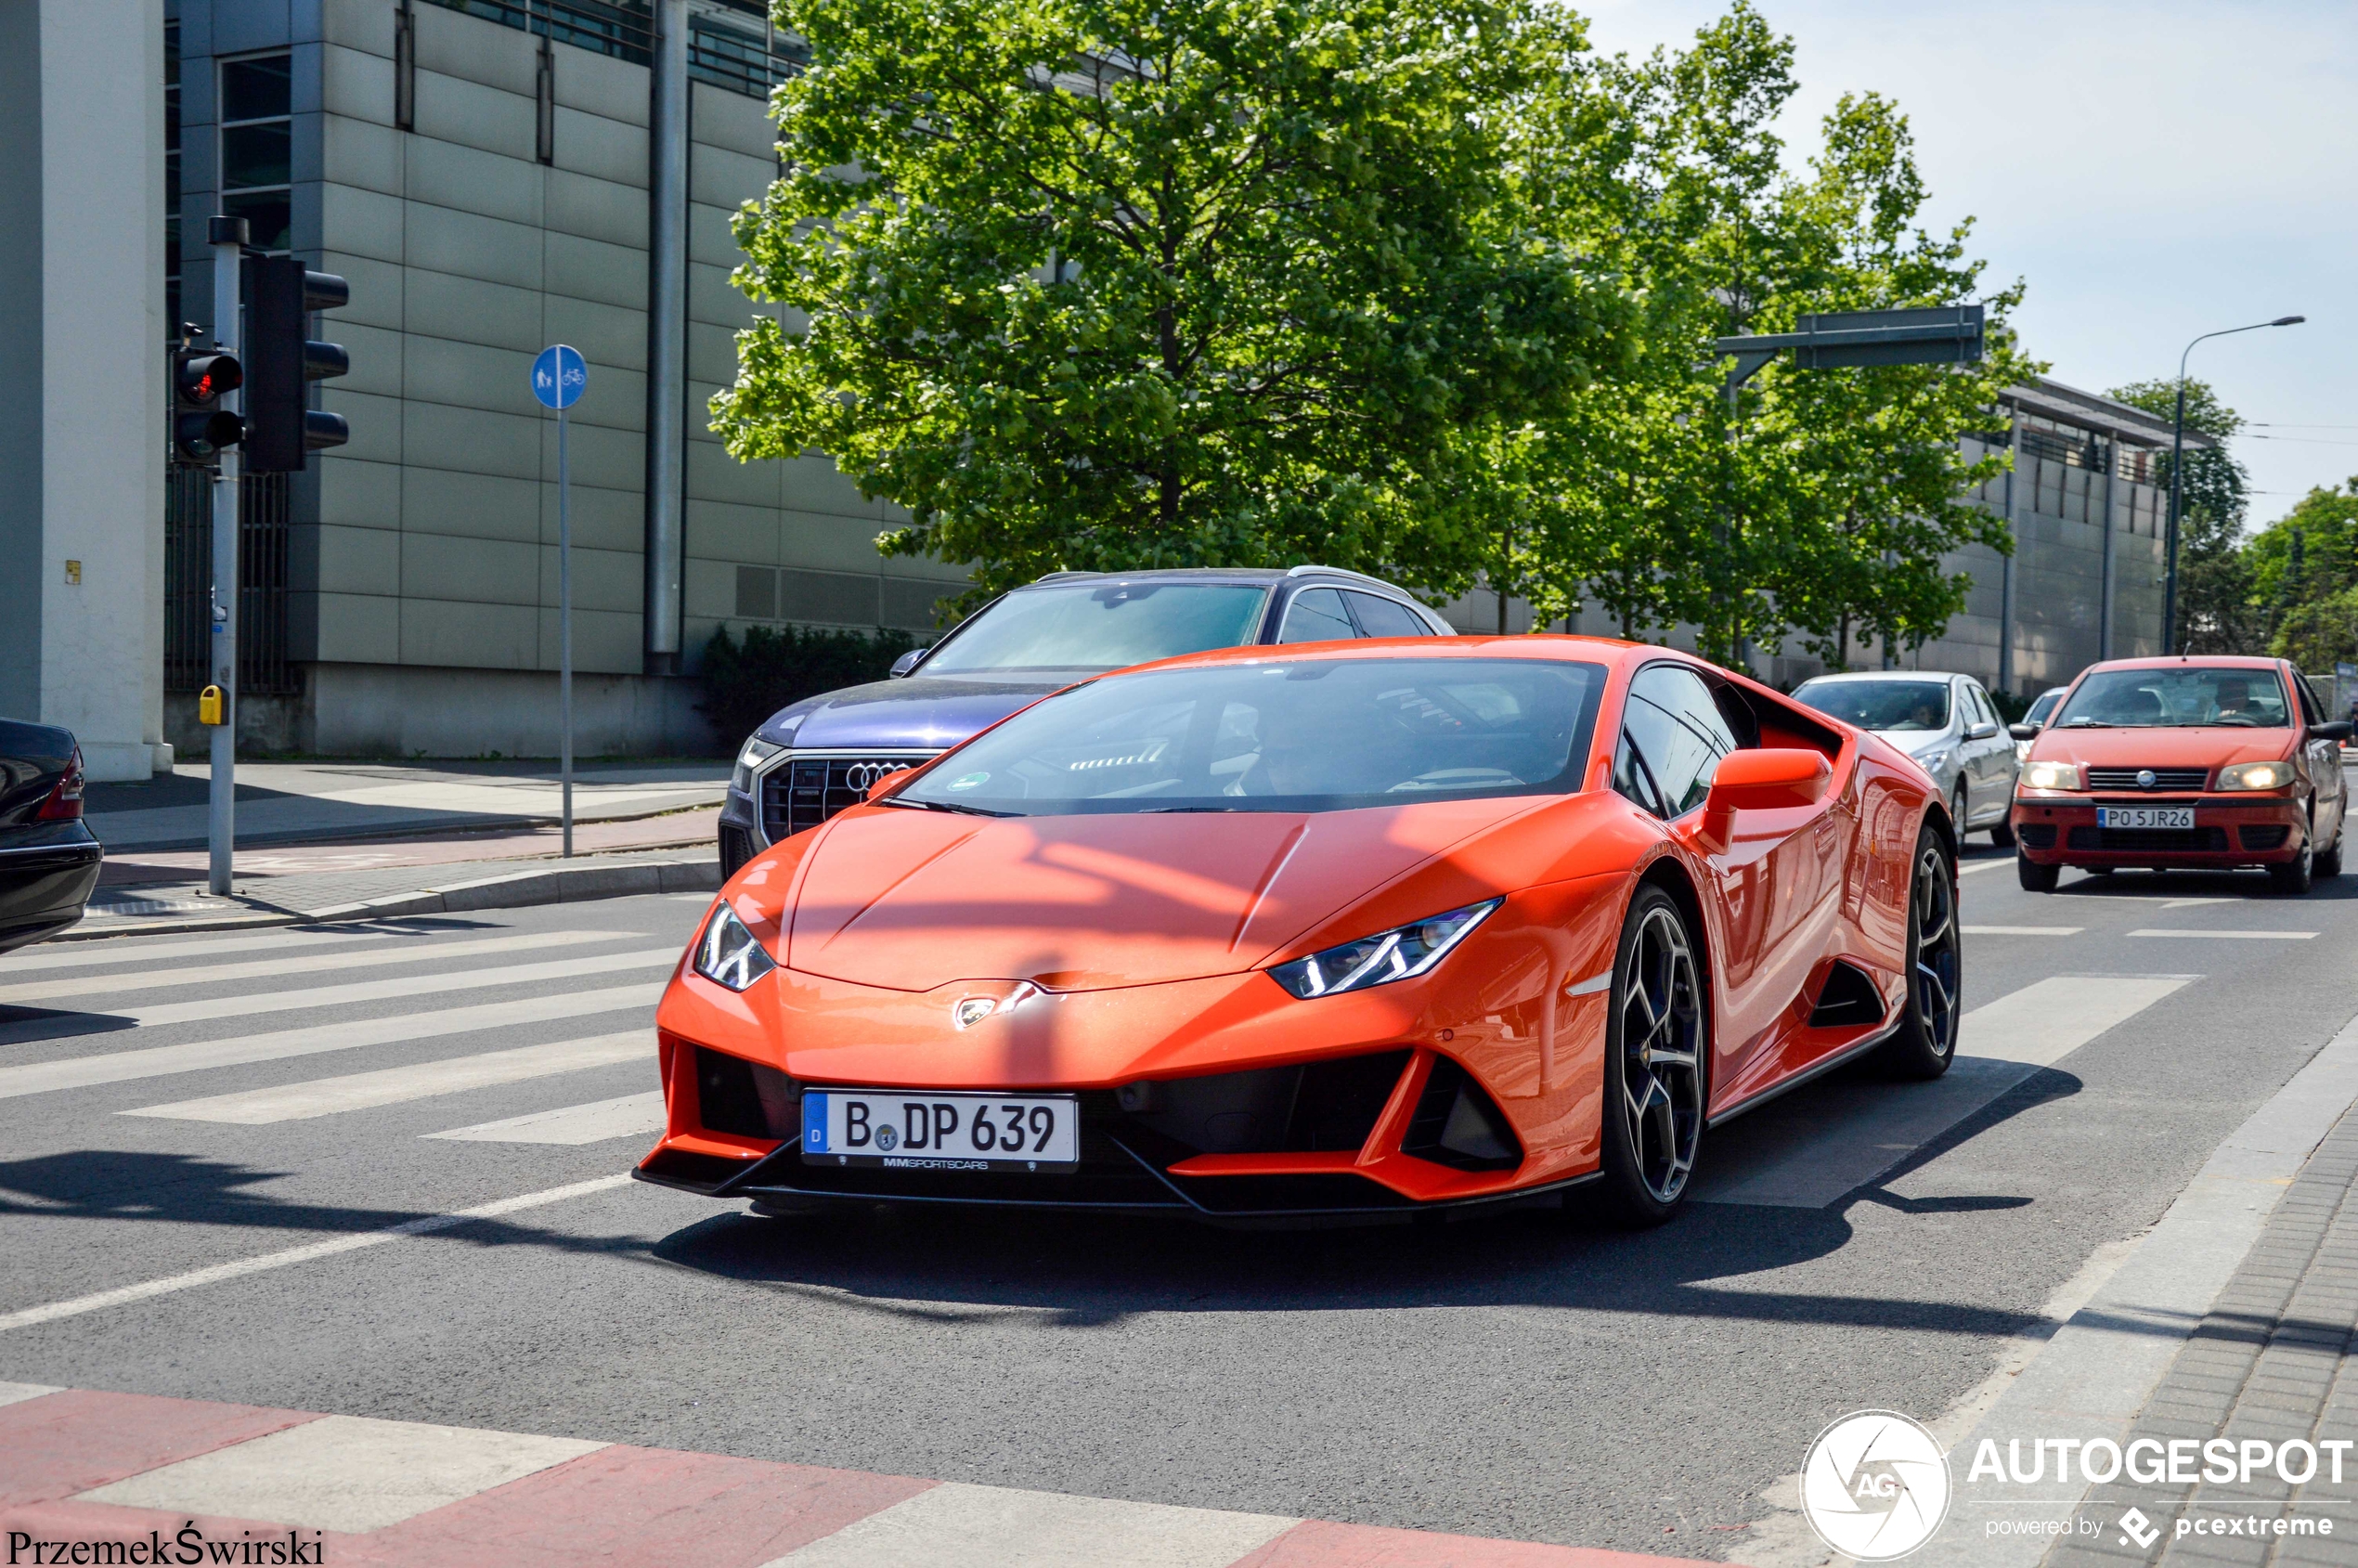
x: 200, y: 427
x: 280, y: 361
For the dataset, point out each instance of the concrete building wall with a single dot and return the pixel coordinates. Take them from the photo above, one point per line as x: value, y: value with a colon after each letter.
x: 82, y: 517
x: 430, y: 542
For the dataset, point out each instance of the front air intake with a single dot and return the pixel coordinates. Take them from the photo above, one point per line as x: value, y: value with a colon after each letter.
x: 744, y: 1098
x: 1847, y: 1000
x: 1458, y: 1126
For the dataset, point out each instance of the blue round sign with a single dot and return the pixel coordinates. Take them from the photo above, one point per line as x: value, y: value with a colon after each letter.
x: 558, y: 376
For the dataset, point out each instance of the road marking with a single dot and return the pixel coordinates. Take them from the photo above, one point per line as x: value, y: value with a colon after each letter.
x: 1809, y: 1152
x: 350, y: 1473
x: 2021, y: 930
x: 2231, y: 936
x: 123, y: 1295
x: 117, y: 950
x: 1982, y: 865
x: 156, y: 1062
x: 958, y: 1525
x: 17, y: 1393
x: 2189, y: 904
x: 343, y: 996
x: 364, y: 1091
x: 203, y: 974
x: 631, y: 1116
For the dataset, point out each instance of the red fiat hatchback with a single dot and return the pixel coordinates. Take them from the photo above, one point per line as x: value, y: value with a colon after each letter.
x: 2202, y: 764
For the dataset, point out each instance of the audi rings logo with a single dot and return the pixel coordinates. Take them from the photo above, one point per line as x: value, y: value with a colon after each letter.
x: 862, y: 777
x: 1875, y: 1485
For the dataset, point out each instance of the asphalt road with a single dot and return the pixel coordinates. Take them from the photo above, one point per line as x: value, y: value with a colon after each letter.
x: 1525, y: 1376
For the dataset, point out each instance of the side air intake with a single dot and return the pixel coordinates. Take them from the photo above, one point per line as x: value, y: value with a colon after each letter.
x: 1455, y: 1125
x: 1847, y: 1000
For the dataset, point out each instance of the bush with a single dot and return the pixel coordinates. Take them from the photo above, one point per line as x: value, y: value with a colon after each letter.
x: 747, y: 681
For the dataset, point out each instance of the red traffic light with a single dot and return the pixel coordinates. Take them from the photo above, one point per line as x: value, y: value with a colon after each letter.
x: 200, y: 377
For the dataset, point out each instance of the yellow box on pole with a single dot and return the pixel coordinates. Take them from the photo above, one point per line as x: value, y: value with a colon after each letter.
x: 209, y: 705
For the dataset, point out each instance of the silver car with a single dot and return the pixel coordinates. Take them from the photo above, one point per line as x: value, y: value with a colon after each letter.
x: 1946, y: 722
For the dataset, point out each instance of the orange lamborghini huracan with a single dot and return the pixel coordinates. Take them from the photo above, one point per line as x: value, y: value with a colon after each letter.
x: 1337, y: 931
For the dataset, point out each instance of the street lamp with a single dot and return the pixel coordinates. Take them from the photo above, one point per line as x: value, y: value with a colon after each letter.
x: 2177, y: 478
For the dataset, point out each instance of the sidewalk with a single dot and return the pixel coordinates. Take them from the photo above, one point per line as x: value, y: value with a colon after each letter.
x: 2269, y: 1363
x: 361, y: 840
x: 79, y: 1466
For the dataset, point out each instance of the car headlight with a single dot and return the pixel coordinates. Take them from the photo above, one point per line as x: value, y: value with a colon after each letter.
x: 729, y: 955
x: 1397, y: 954
x: 757, y: 751
x: 2255, y: 775
x: 2050, y: 775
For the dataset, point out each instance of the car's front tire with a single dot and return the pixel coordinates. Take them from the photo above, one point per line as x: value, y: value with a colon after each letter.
x: 2034, y: 878
x: 2003, y: 834
x: 2296, y: 876
x: 1657, y: 1064
x: 2329, y: 861
x: 1926, y: 1041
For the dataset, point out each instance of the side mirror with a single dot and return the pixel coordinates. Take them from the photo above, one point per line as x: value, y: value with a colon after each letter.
x: 906, y: 662
x: 889, y: 781
x: 2022, y: 732
x: 1981, y: 732
x: 2336, y: 731
x: 1767, y: 779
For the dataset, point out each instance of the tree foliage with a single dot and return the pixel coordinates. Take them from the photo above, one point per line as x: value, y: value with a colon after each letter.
x: 1107, y: 284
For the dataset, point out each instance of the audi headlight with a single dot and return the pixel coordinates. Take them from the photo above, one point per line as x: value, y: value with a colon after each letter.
x: 729, y: 955
x: 757, y: 751
x: 1397, y: 954
x: 2255, y: 775
x: 2050, y: 775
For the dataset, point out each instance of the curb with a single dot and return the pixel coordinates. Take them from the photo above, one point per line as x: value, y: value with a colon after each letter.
x: 518, y: 889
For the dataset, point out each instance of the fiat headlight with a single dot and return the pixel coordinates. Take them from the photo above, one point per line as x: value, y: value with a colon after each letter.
x: 2050, y: 775
x: 729, y: 955
x: 2255, y: 775
x: 757, y: 751
x: 1398, y: 955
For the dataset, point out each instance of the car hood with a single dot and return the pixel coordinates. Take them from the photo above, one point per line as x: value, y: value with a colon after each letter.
x: 912, y: 715
x: 912, y: 900
x: 2161, y: 747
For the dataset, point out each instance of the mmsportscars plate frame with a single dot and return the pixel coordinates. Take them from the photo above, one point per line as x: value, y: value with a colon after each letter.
x: 931, y: 1130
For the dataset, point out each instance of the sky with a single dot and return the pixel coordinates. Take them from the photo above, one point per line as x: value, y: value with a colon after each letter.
x: 2150, y: 171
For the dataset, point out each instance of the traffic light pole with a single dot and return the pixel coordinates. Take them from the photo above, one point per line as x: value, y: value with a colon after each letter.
x: 227, y: 237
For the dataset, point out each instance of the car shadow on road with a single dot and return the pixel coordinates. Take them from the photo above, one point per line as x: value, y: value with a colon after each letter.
x: 1717, y: 1261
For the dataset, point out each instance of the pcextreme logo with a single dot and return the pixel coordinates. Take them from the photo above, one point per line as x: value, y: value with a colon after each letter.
x: 1875, y: 1485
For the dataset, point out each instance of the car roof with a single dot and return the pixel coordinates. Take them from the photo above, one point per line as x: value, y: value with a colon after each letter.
x: 1884, y: 675
x: 2173, y: 661
x: 1337, y: 575
x: 1550, y: 645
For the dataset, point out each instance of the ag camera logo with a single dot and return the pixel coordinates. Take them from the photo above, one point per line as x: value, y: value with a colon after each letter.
x: 1875, y: 1485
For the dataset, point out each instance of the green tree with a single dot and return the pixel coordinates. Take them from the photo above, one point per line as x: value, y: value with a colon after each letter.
x: 2220, y: 607
x: 1817, y: 502
x: 1107, y: 284
x: 2303, y: 570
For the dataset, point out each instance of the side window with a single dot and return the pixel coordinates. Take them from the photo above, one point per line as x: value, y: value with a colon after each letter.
x: 1385, y: 617
x: 1630, y: 778
x: 1977, y: 706
x: 2312, y: 710
x: 1316, y: 616
x: 1679, y: 734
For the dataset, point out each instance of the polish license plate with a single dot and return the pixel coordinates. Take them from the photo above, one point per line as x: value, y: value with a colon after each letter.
x: 924, y: 1130
x: 2146, y: 816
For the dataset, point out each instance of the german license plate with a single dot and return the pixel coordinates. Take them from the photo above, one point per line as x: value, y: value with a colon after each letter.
x: 922, y: 1130
x: 2146, y: 816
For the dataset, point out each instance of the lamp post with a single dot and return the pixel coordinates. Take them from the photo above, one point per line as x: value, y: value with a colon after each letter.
x: 2178, y: 477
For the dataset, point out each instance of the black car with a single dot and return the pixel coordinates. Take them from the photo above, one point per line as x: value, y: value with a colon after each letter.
x: 813, y: 758
x: 48, y: 856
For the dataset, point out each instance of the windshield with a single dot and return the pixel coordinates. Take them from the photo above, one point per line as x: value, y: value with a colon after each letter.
x: 1101, y: 626
x: 1283, y: 736
x: 2192, y: 696
x: 1880, y: 705
x: 2043, y: 706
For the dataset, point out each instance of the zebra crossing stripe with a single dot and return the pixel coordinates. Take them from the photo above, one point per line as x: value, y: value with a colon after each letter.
x: 296, y: 964
x: 366, y: 1090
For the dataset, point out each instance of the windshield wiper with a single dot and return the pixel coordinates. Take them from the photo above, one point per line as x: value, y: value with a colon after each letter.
x: 2084, y: 724
x: 945, y: 805
x: 1166, y: 810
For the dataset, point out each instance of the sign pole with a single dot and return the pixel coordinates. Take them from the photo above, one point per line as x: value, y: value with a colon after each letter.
x: 559, y: 377
x: 227, y: 237
x: 565, y: 624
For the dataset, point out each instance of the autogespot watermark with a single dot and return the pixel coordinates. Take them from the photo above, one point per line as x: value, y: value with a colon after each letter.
x: 1876, y: 1486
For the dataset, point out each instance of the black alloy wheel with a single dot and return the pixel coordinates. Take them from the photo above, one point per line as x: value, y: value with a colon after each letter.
x: 1657, y: 1063
x: 1926, y: 1040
